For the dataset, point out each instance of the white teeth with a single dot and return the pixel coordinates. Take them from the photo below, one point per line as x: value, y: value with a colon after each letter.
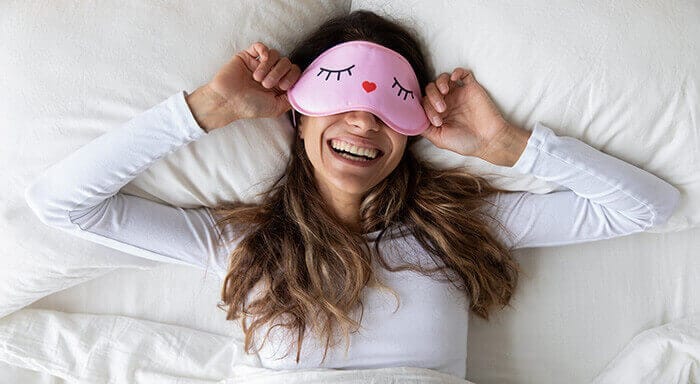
x: 353, y: 158
x: 369, y: 152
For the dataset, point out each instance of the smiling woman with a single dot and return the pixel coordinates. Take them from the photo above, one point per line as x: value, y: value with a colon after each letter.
x: 306, y: 252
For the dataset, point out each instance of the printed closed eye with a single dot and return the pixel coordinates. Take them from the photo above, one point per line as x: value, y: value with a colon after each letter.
x: 401, y: 88
x: 348, y: 69
x: 339, y: 71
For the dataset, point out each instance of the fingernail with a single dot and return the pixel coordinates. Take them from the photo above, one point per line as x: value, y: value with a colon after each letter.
x: 443, y: 88
x: 441, y: 106
x: 437, y: 121
x: 284, y: 84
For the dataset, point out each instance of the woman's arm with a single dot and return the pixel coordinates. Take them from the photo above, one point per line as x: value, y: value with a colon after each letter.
x: 607, y: 197
x: 80, y: 194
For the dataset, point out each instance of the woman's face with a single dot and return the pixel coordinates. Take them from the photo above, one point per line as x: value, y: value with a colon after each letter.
x: 356, y: 131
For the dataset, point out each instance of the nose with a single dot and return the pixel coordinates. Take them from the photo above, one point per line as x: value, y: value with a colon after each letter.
x: 363, y: 119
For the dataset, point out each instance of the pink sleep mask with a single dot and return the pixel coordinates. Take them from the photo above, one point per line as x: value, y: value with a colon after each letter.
x: 361, y: 75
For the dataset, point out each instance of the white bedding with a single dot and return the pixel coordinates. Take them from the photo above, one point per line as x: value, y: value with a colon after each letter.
x: 622, y: 77
x: 665, y: 354
x: 86, y: 348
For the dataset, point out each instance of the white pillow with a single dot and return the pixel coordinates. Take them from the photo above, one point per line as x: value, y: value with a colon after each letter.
x: 73, y: 70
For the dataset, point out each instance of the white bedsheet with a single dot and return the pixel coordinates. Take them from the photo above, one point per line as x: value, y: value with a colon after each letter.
x: 665, y: 354
x: 117, y: 349
x: 85, y: 348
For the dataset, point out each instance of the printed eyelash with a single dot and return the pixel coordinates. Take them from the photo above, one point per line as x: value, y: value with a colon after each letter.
x: 396, y: 82
x: 336, y: 71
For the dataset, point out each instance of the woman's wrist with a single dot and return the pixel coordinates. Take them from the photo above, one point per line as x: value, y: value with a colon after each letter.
x: 209, y: 109
x: 506, y: 149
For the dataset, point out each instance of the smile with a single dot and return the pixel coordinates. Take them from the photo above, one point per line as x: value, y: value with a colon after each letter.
x: 346, y: 156
x: 352, y: 149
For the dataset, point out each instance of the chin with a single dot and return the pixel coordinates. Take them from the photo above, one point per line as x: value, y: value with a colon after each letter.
x: 352, y: 187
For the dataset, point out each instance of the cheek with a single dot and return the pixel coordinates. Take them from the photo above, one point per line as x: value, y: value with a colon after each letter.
x: 397, y: 160
x: 312, y: 152
x: 394, y: 161
x: 315, y: 154
x: 400, y: 148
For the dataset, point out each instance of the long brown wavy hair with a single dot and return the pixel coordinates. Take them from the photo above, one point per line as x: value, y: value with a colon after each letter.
x: 314, y: 269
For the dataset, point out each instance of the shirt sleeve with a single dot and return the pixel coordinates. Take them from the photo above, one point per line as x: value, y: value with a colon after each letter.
x: 80, y: 194
x: 605, y: 197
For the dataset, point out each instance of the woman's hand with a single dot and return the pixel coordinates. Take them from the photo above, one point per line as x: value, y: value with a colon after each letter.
x: 468, y: 122
x: 253, y: 88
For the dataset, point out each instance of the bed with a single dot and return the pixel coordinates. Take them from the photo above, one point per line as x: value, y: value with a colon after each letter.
x: 623, y: 77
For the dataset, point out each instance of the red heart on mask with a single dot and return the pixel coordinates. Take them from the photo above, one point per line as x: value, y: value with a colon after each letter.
x: 369, y: 86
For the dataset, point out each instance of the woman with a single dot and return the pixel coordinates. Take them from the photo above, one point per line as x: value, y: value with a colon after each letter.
x: 332, y: 237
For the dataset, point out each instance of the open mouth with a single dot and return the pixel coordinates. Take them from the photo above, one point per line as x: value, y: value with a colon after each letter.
x: 354, y: 157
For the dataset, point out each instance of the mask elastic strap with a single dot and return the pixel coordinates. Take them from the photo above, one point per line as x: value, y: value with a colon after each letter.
x: 294, y: 118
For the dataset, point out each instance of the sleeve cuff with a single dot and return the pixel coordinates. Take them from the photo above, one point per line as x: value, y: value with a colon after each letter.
x: 527, y: 159
x: 182, y: 117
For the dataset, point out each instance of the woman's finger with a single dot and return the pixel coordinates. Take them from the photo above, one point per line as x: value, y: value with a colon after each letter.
x: 460, y: 76
x: 280, y: 69
x: 432, y: 114
x: 257, y: 49
x: 457, y: 74
x: 290, y: 78
x: 442, y: 83
x: 248, y: 60
x: 266, y: 64
x: 253, y: 55
x: 435, y: 97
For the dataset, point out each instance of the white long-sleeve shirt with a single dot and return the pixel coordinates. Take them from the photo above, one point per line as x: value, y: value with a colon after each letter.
x: 606, y: 197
